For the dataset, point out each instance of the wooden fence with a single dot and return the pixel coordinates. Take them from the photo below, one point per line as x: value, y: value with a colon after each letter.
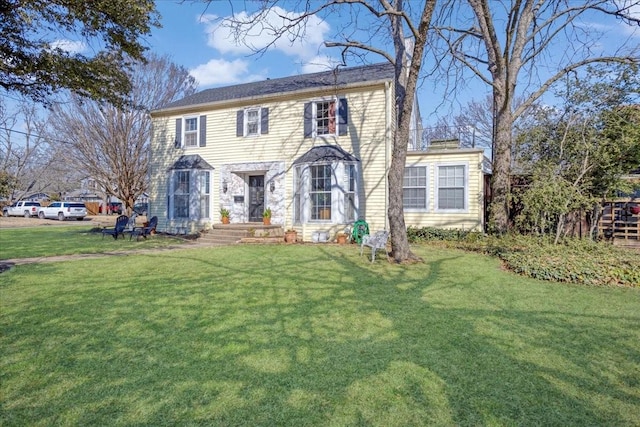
x: 620, y: 220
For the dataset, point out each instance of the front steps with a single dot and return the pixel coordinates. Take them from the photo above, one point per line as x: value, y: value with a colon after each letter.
x: 251, y: 232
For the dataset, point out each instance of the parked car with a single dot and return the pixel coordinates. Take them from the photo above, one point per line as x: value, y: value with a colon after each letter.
x: 141, y: 208
x: 63, y: 210
x: 22, y: 208
x: 115, y: 208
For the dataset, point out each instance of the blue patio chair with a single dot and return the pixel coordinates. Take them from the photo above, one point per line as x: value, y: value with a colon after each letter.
x: 118, y: 229
x: 146, y: 230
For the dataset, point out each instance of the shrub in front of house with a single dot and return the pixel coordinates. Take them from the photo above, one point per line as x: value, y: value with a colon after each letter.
x: 427, y: 234
x: 572, y: 261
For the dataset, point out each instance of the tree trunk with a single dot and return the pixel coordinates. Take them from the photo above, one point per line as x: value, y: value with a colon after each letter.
x: 398, y: 229
x: 407, y: 72
x: 501, y: 178
x: 559, y: 227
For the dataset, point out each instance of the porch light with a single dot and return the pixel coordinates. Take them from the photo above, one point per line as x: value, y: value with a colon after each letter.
x: 225, y: 187
x: 272, y: 186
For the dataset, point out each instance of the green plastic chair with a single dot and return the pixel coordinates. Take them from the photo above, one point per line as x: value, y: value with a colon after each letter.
x: 360, y: 228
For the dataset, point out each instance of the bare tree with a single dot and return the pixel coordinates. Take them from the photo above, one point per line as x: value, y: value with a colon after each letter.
x: 24, y: 152
x: 397, y: 21
x: 507, y: 44
x: 109, y: 144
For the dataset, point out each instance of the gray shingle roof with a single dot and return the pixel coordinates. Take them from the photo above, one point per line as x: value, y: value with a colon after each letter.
x: 190, y: 161
x: 325, y: 153
x: 343, y: 76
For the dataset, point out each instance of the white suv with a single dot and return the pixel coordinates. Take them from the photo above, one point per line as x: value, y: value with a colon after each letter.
x: 63, y: 210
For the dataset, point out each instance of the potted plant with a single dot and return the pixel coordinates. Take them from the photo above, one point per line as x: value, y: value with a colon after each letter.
x: 290, y: 236
x: 224, y: 215
x: 266, y: 216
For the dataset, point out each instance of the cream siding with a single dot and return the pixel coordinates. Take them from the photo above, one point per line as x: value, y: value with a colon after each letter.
x: 367, y: 139
x: 471, y: 218
x: 371, y: 123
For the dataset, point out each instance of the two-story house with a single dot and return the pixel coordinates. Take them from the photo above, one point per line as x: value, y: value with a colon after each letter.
x: 313, y: 148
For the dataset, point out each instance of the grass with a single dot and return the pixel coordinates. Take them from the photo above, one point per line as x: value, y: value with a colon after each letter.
x: 312, y: 335
x: 59, y: 240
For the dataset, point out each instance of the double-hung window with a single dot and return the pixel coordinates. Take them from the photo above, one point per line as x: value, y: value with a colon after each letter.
x: 252, y: 122
x: 324, y: 118
x: 204, y: 184
x: 414, y: 187
x: 191, y: 132
x: 350, y: 193
x: 320, y: 192
x: 452, y: 187
x: 325, y: 121
x: 181, y: 187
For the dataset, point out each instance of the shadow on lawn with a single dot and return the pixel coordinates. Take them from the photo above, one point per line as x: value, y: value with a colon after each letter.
x: 272, y: 341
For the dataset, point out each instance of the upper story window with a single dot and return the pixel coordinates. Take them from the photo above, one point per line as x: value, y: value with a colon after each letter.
x: 452, y: 187
x: 191, y: 132
x: 325, y: 118
x: 325, y: 121
x: 414, y: 187
x: 252, y: 121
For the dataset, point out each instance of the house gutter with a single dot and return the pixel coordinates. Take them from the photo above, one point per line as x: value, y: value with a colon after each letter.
x: 261, y: 98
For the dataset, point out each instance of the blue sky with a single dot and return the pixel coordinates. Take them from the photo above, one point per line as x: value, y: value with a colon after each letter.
x: 192, y: 37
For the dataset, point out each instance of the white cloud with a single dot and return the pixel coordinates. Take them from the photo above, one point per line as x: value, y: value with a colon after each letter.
x: 69, y: 45
x: 318, y: 64
x: 223, y: 72
x: 302, y: 42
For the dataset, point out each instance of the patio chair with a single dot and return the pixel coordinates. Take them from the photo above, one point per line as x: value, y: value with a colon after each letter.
x: 118, y: 229
x: 146, y: 230
x: 375, y: 242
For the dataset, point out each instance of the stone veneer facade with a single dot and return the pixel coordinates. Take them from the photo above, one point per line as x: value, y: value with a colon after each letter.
x: 236, y: 176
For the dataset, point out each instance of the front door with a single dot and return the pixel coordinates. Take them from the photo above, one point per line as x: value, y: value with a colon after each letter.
x: 256, y: 198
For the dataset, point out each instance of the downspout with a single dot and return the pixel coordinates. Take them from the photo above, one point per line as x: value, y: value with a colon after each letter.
x: 387, y: 149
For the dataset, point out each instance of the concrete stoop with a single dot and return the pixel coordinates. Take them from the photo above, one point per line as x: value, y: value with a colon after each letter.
x: 228, y: 234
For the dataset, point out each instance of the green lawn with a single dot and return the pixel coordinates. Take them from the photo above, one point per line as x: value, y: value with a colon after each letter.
x: 312, y: 335
x: 60, y: 240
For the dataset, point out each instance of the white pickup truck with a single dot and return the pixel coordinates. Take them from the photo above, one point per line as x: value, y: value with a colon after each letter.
x: 22, y: 208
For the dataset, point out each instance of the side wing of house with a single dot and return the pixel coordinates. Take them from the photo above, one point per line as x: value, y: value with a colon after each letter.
x: 445, y: 189
x: 317, y: 158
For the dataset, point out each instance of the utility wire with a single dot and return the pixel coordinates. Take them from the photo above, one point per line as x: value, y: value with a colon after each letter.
x: 34, y: 135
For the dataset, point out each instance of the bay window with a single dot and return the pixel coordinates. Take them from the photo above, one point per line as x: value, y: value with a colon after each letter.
x: 189, y: 194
